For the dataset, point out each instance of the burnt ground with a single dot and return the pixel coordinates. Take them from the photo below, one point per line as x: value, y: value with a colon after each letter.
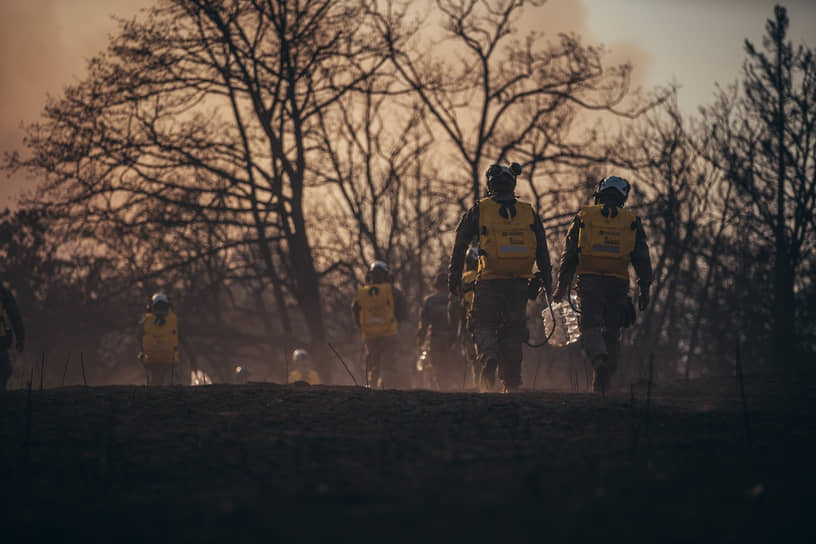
x: 269, y: 462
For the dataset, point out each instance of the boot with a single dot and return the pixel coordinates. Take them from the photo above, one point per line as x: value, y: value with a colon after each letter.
x: 488, y: 379
x: 600, y: 380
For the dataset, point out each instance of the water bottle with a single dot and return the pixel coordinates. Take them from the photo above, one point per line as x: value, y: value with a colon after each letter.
x: 566, y: 324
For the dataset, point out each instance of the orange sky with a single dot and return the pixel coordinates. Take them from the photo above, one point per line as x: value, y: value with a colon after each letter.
x: 44, y: 44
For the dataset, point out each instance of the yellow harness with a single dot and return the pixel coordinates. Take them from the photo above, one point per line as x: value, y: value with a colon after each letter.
x: 309, y: 376
x: 606, y: 243
x: 377, y: 317
x: 507, y: 242
x: 160, y: 341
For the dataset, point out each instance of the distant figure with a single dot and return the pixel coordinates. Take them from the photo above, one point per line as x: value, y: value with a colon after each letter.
x: 242, y: 374
x: 511, y: 241
x: 378, y: 309
x: 159, y: 339
x: 302, y: 369
x: 603, y: 239
x: 8, y: 308
x: 459, y: 314
x: 435, y: 333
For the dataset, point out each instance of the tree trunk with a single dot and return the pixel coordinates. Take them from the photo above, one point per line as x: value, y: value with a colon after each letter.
x: 783, y: 334
x: 419, y: 233
x: 474, y: 171
x: 307, y: 289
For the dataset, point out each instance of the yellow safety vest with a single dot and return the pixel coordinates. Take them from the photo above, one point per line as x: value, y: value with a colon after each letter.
x: 469, y: 288
x: 507, y: 245
x: 309, y: 376
x: 606, y: 243
x: 160, y: 342
x: 377, y: 316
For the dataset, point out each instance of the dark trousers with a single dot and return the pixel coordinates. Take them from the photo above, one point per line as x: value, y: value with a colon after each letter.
x: 448, y: 365
x: 499, y: 328
x: 603, y: 303
x: 380, y: 356
x: 162, y: 374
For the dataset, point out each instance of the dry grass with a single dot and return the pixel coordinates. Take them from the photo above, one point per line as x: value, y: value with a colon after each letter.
x: 267, y: 461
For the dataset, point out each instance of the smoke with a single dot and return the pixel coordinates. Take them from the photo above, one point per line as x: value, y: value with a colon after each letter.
x: 568, y: 16
x: 44, y: 45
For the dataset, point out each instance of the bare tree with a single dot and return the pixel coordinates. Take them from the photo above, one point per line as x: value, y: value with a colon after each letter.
x: 500, y: 92
x: 207, y: 113
x: 764, y: 140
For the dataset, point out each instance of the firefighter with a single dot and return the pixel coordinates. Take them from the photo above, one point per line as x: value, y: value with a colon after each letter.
x: 159, y: 339
x: 9, y: 335
x: 602, y: 241
x: 378, y: 310
x: 511, y: 239
x: 435, y: 333
x: 302, y: 368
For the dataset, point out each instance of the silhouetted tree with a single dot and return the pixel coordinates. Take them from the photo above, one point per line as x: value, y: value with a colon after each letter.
x: 208, y: 113
x: 764, y: 140
x: 502, y: 93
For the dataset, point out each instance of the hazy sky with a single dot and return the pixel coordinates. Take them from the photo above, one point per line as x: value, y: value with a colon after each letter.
x: 695, y: 42
x: 44, y: 45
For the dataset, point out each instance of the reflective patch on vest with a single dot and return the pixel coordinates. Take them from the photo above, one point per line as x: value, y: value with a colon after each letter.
x: 507, y: 245
x: 606, y: 249
x: 605, y: 242
x: 513, y: 249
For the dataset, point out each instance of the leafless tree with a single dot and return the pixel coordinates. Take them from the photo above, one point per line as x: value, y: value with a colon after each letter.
x: 208, y: 113
x: 764, y: 141
x: 500, y: 92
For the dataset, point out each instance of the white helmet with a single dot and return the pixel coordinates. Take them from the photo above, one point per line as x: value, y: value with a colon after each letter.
x: 158, y: 298
x: 617, y: 183
x: 300, y: 355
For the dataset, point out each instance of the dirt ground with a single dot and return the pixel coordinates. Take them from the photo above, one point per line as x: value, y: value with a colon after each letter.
x: 270, y: 462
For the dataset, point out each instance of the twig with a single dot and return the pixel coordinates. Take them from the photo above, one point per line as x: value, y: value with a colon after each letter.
x: 465, y: 373
x: 649, y: 396
x: 535, y: 376
x: 65, y: 371
x: 343, y: 363
x: 82, y: 365
x: 28, y: 418
x: 741, y: 383
x: 42, y: 370
x: 363, y: 364
x: 634, y: 418
x: 109, y: 446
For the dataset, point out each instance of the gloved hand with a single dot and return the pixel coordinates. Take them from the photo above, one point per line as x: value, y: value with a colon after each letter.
x: 548, y: 285
x: 455, y: 286
x: 560, y: 294
x: 643, y: 299
x: 19, y: 346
